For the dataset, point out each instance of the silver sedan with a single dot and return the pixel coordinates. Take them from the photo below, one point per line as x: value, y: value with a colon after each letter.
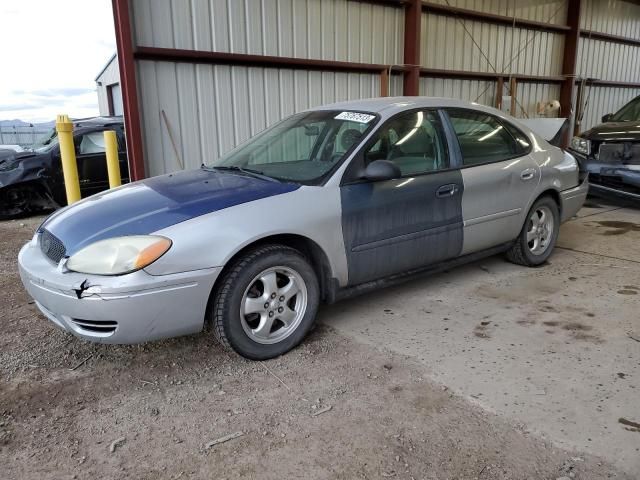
x: 326, y: 204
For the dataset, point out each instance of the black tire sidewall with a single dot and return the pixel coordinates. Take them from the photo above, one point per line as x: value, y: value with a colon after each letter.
x: 235, y: 334
x: 530, y: 256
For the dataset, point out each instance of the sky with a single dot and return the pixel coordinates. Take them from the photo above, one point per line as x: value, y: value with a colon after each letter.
x: 51, y: 53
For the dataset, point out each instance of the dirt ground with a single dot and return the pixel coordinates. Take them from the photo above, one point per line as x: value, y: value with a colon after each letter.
x: 332, y: 408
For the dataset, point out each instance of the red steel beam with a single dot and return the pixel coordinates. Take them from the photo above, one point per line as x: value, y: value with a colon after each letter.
x: 124, y: 43
x: 447, y: 10
x: 412, y: 29
x: 468, y: 75
x: 267, y: 61
x: 607, y: 37
x: 571, y: 40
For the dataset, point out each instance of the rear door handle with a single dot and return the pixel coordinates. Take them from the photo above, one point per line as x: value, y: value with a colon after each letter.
x: 447, y: 190
x: 527, y: 174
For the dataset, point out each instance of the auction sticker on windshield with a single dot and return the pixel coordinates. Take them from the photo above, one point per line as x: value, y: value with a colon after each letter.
x: 355, y: 117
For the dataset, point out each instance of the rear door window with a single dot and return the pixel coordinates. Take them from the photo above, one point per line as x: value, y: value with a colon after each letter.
x: 483, y: 138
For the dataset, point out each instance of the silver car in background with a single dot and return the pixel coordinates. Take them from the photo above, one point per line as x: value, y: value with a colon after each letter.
x: 323, y: 205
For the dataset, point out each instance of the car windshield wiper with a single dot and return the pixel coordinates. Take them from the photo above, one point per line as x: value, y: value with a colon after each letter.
x: 246, y: 171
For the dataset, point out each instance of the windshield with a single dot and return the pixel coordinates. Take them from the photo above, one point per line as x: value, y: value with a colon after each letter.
x: 46, y: 142
x: 628, y: 113
x: 302, y: 148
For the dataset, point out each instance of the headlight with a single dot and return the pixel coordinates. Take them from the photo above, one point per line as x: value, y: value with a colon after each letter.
x: 5, y: 166
x: 581, y: 145
x: 119, y: 255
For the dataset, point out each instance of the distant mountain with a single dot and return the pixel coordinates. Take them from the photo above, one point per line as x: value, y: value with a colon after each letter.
x: 19, y: 123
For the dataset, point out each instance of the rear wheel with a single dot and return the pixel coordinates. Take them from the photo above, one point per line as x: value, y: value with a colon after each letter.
x: 539, y: 234
x: 266, y: 302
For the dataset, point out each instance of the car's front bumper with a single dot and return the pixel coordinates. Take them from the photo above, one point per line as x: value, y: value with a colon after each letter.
x: 618, y: 179
x: 131, y: 308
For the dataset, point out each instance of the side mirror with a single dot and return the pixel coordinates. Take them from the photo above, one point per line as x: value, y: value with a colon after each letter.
x: 381, y: 170
x: 607, y: 117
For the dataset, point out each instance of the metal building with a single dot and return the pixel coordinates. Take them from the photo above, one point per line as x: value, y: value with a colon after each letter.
x: 199, y: 77
x: 109, y: 89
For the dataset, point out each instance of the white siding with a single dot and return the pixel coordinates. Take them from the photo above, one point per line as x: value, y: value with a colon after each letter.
x: 322, y: 29
x: 455, y: 44
x: 605, y: 60
x: 109, y: 76
x: 480, y: 91
x: 551, y: 11
x: 210, y: 109
x: 616, y: 17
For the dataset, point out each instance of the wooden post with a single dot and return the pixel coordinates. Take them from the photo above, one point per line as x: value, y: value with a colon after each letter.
x: 499, y: 92
x: 384, y: 83
x: 579, y: 109
x: 512, y: 92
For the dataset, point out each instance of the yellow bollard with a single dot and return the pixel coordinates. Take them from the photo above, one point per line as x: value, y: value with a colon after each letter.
x: 113, y: 163
x: 68, y: 158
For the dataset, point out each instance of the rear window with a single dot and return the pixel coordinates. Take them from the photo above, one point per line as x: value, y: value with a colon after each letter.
x: 483, y: 138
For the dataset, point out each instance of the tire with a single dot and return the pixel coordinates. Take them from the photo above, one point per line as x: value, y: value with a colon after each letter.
x: 244, y: 302
x: 535, y: 243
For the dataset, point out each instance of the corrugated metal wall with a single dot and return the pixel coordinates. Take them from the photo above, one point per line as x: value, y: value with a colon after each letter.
x: 217, y: 106
x: 452, y: 43
x: 456, y: 44
x: 603, y: 60
x: 553, y: 11
x: 323, y: 29
x: 209, y: 109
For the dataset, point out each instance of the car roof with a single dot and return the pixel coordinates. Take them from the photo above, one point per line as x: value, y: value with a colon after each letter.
x: 97, y: 121
x: 387, y: 107
x: 395, y: 104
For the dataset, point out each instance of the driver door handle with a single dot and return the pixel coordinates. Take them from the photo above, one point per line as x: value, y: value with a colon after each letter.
x: 447, y: 190
x: 527, y: 174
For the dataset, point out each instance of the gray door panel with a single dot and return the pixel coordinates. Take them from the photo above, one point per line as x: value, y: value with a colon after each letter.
x: 494, y: 202
x: 398, y: 225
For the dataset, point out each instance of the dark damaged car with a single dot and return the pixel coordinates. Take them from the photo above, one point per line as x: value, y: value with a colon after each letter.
x: 31, y: 181
x: 610, y: 152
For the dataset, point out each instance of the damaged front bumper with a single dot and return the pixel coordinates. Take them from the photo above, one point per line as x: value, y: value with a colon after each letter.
x: 132, y: 308
x: 615, y: 178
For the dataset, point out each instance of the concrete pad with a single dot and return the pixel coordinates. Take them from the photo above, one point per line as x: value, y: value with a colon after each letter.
x: 611, y: 233
x: 550, y: 348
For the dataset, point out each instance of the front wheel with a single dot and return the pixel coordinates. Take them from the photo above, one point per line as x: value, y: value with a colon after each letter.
x: 538, y: 236
x: 266, y: 302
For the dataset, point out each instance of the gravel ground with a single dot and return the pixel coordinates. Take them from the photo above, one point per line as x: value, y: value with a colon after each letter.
x: 332, y: 408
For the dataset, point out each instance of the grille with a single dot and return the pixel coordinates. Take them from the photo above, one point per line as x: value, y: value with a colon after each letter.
x: 627, y: 153
x: 51, y: 246
x: 613, y: 181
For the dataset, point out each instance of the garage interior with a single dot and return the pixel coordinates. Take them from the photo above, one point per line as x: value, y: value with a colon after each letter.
x: 486, y: 371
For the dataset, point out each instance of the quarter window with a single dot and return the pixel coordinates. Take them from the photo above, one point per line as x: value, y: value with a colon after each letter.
x: 483, y: 139
x: 413, y: 141
x: 91, y: 143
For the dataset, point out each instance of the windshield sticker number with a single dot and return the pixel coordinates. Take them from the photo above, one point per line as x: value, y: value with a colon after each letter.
x: 355, y: 117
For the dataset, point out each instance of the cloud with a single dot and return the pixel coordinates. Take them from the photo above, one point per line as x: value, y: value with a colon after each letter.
x: 61, y: 49
x: 55, y: 92
x: 19, y: 106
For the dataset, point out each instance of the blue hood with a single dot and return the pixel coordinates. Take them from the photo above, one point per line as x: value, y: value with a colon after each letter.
x: 150, y: 205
